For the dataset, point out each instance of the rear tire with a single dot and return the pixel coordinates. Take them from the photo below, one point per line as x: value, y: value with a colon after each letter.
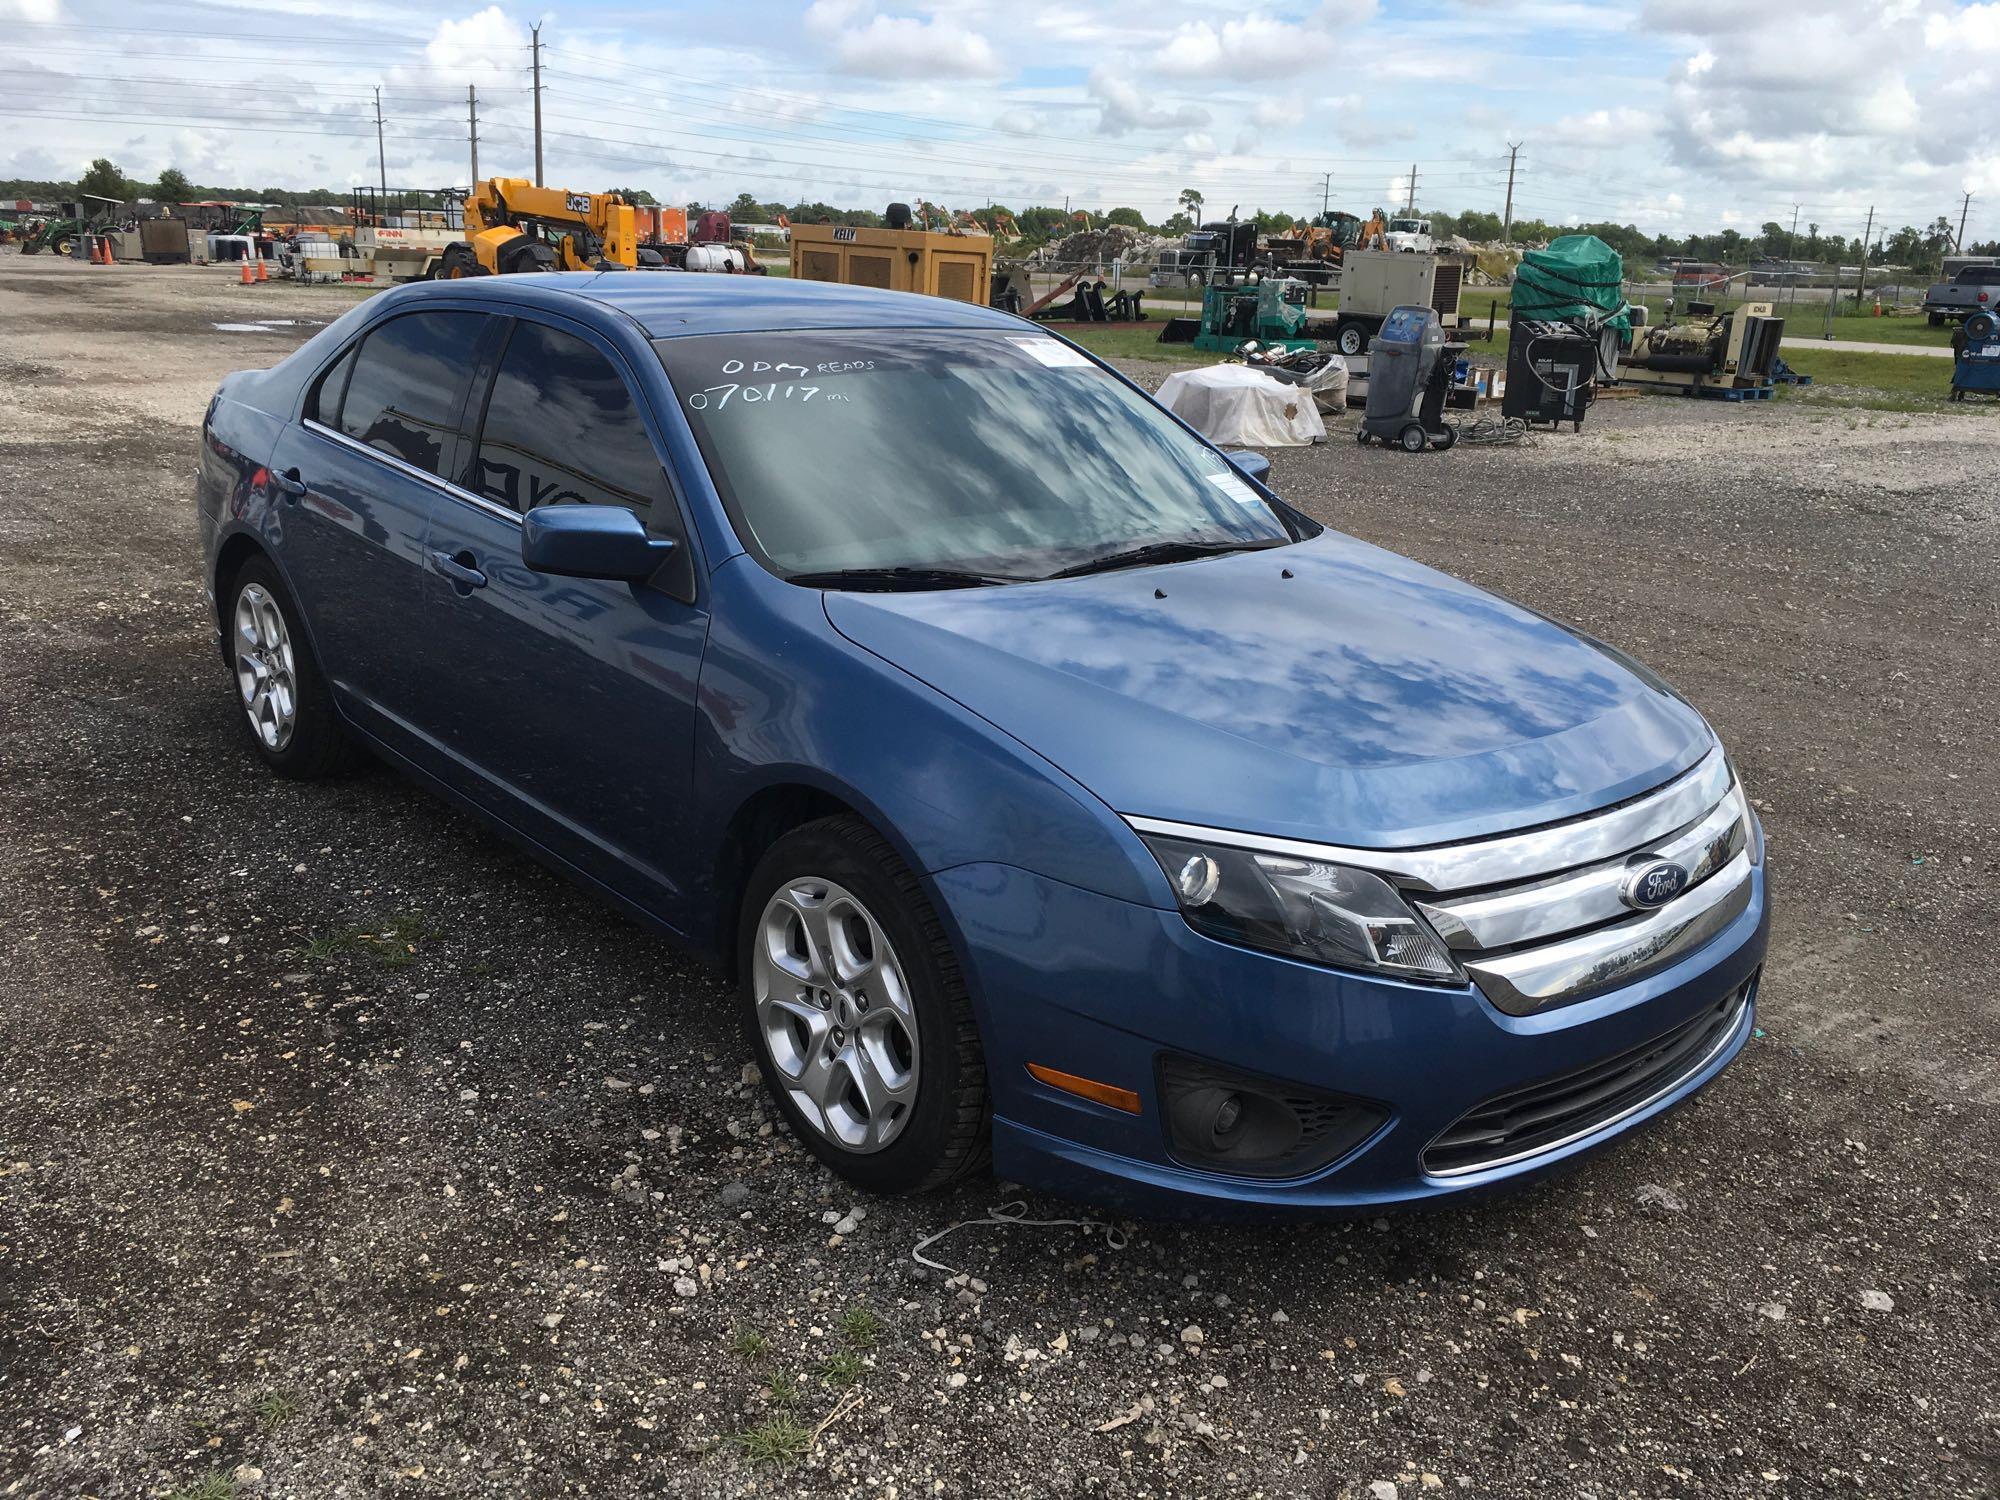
x: 1414, y: 439
x: 286, y: 708
x: 1350, y: 338
x: 858, y: 1012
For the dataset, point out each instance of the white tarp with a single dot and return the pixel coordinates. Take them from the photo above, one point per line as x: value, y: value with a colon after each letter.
x: 1235, y: 406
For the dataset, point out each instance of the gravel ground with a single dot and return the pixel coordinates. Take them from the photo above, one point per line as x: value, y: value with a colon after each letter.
x: 343, y: 1152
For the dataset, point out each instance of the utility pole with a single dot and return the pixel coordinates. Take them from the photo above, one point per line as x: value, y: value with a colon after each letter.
x: 1861, y: 280
x: 1410, y: 206
x: 1964, y: 209
x: 1507, y: 218
x: 1325, y: 193
x: 381, y: 154
x: 472, y: 124
x: 536, y: 34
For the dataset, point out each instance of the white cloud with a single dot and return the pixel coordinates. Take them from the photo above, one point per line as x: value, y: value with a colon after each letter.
x: 901, y: 46
x: 1248, y: 49
x: 30, y: 10
x: 1974, y: 26
x: 1125, y: 107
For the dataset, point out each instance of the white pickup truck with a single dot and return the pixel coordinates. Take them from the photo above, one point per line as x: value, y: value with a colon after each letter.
x: 1413, y: 235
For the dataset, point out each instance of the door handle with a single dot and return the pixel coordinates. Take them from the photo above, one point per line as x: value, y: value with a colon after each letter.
x: 289, y: 482
x: 461, y: 568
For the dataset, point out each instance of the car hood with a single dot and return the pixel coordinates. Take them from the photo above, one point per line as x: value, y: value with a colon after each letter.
x: 1328, y: 691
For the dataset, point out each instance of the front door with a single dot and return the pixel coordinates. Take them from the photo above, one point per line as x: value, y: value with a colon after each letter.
x: 569, y: 707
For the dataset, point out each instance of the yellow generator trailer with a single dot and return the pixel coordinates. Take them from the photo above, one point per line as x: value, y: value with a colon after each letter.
x: 958, y: 266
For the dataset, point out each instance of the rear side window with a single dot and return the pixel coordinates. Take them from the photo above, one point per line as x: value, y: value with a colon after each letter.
x: 323, y: 405
x: 408, y: 385
x: 562, y: 429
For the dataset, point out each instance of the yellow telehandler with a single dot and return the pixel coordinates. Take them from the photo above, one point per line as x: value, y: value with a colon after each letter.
x: 512, y: 226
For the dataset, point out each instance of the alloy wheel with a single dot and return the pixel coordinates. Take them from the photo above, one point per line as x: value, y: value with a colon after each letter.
x: 266, y: 674
x: 836, y: 1014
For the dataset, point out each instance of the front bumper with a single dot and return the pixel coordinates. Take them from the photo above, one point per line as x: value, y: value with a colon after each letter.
x: 1100, y: 988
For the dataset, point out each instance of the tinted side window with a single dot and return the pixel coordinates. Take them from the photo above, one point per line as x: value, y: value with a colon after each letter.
x: 323, y: 404
x: 408, y: 381
x: 562, y: 429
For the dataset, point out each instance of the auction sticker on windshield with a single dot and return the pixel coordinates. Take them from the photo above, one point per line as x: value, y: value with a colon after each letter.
x: 1054, y: 353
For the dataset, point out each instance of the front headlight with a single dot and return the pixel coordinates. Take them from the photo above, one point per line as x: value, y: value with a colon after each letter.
x: 1304, y: 908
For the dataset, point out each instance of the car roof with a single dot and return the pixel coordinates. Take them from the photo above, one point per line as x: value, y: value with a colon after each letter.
x: 667, y: 304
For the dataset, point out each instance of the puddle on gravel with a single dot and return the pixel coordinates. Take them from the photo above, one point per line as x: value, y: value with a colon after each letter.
x: 268, y: 325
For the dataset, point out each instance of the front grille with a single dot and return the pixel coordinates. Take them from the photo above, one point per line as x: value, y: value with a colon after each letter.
x: 1557, y: 922
x: 1543, y: 1116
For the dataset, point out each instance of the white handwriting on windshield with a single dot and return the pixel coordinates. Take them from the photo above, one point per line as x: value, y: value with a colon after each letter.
x: 760, y: 367
x: 719, y: 396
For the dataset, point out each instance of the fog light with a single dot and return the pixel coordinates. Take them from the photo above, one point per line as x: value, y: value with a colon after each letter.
x: 1224, y: 1121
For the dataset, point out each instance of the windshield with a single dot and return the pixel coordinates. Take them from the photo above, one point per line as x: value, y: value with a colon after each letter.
x: 1407, y: 226
x: 996, y: 453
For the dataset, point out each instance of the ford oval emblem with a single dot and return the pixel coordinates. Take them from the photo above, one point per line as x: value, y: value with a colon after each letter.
x: 1652, y: 883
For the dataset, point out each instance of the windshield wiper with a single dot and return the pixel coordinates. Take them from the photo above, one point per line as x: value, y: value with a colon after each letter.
x: 1160, y: 552
x: 898, y: 578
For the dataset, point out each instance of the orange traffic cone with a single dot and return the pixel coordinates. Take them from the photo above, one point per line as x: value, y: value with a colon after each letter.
x: 262, y: 274
x: 248, y: 278
x: 1878, y: 306
x: 100, y: 252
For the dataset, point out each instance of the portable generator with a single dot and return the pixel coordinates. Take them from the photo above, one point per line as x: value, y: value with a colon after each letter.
x: 1410, y: 366
x: 1975, y: 364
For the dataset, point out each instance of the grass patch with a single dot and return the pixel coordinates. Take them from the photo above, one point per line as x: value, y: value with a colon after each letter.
x: 860, y: 1327
x: 216, y: 1486
x: 1905, y: 382
x: 781, y: 1441
x: 748, y: 1343
x: 784, y: 1390
x: 275, y: 1408
x: 1136, y: 341
x: 842, y: 1369
x: 393, y: 946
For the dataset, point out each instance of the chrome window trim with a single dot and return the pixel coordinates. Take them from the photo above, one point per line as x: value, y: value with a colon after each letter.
x: 1597, y: 1126
x: 390, y: 460
x: 1508, y: 857
x: 1545, y: 909
x: 1575, y: 968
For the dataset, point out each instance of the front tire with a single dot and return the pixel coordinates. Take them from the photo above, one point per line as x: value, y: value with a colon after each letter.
x: 287, y: 709
x: 1350, y: 338
x: 858, y: 1012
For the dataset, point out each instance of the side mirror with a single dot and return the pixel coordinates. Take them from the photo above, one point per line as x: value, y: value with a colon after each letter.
x: 590, y: 541
x: 1252, y: 466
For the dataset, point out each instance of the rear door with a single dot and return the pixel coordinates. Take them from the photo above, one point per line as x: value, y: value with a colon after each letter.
x: 382, y: 426
x: 569, y: 712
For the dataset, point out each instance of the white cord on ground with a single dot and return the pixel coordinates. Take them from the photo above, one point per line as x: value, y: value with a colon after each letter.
x: 1504, y: 430
x: 1013, y: 1213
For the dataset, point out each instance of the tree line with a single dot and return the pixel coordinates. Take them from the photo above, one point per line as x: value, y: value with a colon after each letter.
x: 1919, y: 249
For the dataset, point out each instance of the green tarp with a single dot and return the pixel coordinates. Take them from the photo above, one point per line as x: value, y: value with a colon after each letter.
x: 1578, y: 277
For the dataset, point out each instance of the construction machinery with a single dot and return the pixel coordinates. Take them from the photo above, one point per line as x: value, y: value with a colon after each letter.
x: 899, y: 258
x: 56, y: 235
x: 1315, y: 252
x: 511, y: 225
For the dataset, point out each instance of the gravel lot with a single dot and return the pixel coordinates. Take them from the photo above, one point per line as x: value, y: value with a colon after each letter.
x: 345, y: 1152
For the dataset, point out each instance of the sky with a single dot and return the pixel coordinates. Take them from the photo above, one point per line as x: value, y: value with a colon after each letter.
x: 1677, y: 115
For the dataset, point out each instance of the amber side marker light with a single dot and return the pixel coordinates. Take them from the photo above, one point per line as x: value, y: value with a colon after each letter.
x: 1086, y: 1088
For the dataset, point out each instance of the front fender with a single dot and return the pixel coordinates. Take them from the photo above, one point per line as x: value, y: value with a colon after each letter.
x: 785, y: 699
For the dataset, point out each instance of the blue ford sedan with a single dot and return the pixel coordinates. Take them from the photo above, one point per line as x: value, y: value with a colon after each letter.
x: 1056, y: 794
